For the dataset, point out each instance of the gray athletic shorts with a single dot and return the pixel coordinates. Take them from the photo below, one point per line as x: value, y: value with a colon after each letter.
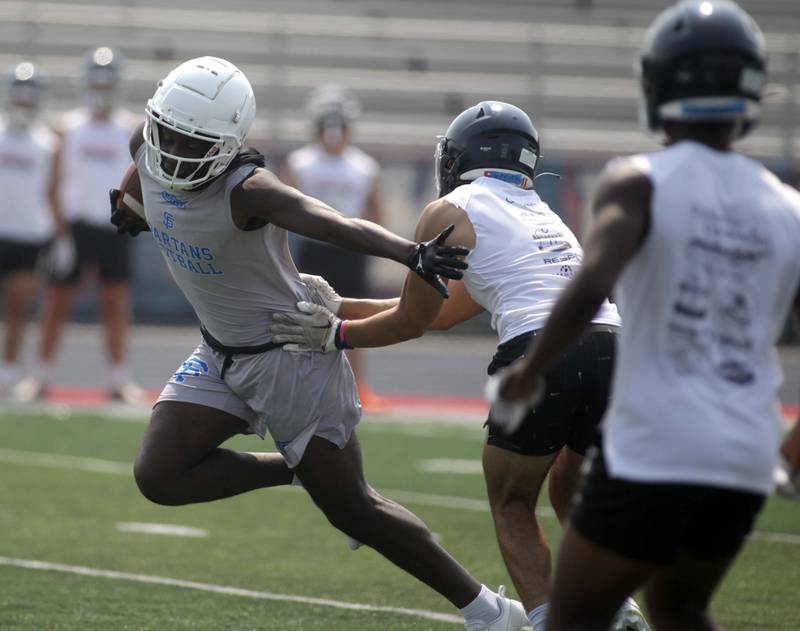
x: 293, y: 396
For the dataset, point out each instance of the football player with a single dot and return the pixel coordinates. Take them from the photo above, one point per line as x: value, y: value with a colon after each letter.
x: 522, y: 258
x: 344, y: 177
x: 27, y: 147
x: 700, y: 245
x: 221, y: 221
x: 92, y: 158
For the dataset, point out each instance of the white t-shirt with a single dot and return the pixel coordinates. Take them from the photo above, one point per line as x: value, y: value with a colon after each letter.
x: 26, y: 163
x: 94, y: 157
x: 523, y: 258
x: 704, y: 299
x: 343, y: 181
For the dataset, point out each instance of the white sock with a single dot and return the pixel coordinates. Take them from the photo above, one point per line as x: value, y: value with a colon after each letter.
x: 296, y: 481
x: 484, y: 608
x: 118, y: 374
x: 8, y: 373
x: 538, y: 617
x: 42, y: 371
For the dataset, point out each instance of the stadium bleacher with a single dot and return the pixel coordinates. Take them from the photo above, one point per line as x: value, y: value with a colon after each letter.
x: 414, y: 64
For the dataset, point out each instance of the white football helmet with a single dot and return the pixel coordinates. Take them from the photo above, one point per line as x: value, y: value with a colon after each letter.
x: 206, y: 98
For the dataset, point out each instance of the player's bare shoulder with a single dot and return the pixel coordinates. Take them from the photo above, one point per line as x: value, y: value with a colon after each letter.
x: 441, y: 213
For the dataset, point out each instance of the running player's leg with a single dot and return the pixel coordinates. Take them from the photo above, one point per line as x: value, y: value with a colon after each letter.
x: 679, y: 595
x: 590, y: 584
x: 334, y: 479
x: 563, y: 481
x: 513, y: 482
x: 180, y: 460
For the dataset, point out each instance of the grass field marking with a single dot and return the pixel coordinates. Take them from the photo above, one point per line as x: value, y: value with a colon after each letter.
x: 174, y: 530
x: 450, y: 465
x: 93, y: 465
x: 59, y: 461
x: 775, y: 537
x: 223, y: 589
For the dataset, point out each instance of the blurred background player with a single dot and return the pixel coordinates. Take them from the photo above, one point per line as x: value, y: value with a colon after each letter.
x: 92, y: 159
x: 27, y: 147
x: 522, y: 258
x: 700, y: 246
x: 345, y: 178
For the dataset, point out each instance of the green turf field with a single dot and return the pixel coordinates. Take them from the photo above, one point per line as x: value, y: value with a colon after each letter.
x: 64, y: 487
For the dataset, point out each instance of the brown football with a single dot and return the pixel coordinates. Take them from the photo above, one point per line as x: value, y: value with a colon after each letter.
x: 130, y: 192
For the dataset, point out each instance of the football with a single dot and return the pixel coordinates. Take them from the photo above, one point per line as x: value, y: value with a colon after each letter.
x: 130, y: 192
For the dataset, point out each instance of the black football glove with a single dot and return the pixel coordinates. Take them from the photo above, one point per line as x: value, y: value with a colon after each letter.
x: 125, y: 220
x: 431, y: 259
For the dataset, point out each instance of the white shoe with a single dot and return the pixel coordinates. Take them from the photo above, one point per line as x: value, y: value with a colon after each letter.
x: 29, y: 390
x: 629, y: 618
x: 512, y: 616
x: 353, y: 544
x: 128, y: 393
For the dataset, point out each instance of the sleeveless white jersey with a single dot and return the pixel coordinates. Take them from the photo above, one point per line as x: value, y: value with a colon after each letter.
x: 524, y: 256
x: 94, y: 157
x: 234, y: 279
x: 704, y: 300
x: 343, y: 182
x: 26, y: 163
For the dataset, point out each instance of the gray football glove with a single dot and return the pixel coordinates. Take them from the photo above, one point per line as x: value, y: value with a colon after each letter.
x: 321, y: 293
x: 313, y: 328
x: 787, y: 482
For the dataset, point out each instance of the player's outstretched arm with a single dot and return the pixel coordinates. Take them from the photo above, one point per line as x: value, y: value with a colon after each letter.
x: 622, y: 216
x: 409, y: 318
x: 264, y: 196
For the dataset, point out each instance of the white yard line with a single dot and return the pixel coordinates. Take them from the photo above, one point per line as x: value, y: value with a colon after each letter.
x: 93, y: 465
x: 173, y: 530
x: 223, y: 589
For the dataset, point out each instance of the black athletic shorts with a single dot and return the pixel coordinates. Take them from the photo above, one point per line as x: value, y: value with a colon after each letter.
x: 345, y: 271
x: 98, y: 247
x: 652, y: 522
x: 19, y: 256
x: 577, y: 391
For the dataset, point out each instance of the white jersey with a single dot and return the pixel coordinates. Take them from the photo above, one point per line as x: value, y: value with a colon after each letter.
x: 94, y: 157
x: 705, y: 299
x: 344, y: 182
x: 234, y: 279
x: 26, y: 163
x: 524, y: 256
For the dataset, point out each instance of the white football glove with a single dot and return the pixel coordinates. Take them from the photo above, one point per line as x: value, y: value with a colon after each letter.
x: 321, y: 293
x: 787, y: 482
x: 505, y: 414
x: 314, y: 328
x: 61, y: 257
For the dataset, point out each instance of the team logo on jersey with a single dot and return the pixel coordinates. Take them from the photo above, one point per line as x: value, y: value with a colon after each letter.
x: 169, y: 220
x: 192, y: 367
x: 172, y: 199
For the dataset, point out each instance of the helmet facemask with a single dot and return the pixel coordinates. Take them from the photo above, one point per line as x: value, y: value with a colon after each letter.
x: 223, y: 149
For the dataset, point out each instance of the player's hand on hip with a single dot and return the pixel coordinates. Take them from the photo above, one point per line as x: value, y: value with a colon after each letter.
x: 432, y: 259
x: 321, y: 293
x: 61, y: 257
x: 511, y: 398
x: 313, y: 328
x: 125, y: 220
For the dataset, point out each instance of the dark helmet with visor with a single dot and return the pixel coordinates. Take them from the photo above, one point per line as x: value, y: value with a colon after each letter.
x: 491, y: 138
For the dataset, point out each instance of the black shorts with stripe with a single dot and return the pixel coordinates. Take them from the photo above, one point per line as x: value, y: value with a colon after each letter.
x: 19, y: 256
x: 577, y: 391
x: 100, y: 248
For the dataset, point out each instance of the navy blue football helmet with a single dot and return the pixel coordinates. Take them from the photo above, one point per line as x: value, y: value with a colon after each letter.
x: 491, y: 137
x: 703, y: 61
